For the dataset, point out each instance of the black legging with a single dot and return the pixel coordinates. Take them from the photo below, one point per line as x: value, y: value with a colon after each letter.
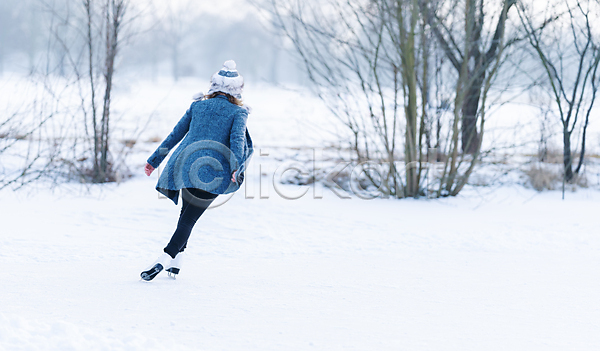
x: 195, y: 202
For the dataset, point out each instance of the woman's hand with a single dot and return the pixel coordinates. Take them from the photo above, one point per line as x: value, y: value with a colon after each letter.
x: 148, y: 169
x: 233, y: 176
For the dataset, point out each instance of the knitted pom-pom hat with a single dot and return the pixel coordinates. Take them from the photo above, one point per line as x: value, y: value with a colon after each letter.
x: 227, y: 80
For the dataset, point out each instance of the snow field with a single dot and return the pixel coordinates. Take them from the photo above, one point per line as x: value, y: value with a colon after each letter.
x: 506, y: 269
x: 513, y: 271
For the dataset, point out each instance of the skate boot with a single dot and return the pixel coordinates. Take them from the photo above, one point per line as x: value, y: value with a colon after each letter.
x: 174, y: 266
x: 161, y: 262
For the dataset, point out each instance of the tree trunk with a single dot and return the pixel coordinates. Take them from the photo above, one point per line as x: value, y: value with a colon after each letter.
x: 567, y: 156
x: 470, y: 136
x: 91, y: 63
x: 473, y: 52
x: 410, y: 81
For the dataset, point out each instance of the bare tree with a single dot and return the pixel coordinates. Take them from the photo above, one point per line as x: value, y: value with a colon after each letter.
x: 375, y: 65
x: 90, y: 40
x: 63, y: 128
x: 568, y: 48
x: 467, y: 45
x: 115, y: 15
x: 23, y: 150
x: 348, y: 54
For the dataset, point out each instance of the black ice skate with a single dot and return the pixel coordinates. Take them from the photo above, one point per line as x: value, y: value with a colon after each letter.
x: 156, y: 267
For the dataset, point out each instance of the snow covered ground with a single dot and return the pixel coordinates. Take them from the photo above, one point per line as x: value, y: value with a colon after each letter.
x: 512, y: 270
x: 501, y: 268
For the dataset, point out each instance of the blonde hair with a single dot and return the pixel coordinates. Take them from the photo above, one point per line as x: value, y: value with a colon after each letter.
x: 231, y: 98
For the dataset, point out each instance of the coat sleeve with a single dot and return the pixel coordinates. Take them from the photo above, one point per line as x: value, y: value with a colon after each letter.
x: 237, y: 139
x: 173, y: 139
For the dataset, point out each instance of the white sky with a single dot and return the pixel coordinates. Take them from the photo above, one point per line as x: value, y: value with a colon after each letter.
x: 232, y: 9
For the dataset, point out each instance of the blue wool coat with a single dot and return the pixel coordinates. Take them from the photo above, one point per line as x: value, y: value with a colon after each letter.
x: 216, y: 143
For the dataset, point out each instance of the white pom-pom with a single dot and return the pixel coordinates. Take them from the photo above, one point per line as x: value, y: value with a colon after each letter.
x: 229, y: 65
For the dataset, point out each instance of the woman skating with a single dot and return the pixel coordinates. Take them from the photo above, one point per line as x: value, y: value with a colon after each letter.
x: 210, y: 160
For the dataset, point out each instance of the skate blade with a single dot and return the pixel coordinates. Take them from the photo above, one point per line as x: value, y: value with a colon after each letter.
x: 172, y: 272
x: 152, y: 272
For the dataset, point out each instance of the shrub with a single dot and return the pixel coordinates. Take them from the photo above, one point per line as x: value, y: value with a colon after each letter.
x: 543, y: 177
